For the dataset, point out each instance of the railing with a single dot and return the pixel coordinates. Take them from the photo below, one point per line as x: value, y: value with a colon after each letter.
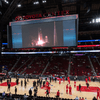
x: 23, y: 64
x: 69, y: 67
x: 97, y: 61
x: 29, y: 65
x: 47, y: 65
x: 94, y: 73
x: 15, y: 64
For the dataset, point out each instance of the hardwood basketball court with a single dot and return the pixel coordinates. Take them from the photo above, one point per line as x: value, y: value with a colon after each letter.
x: 54, y: 88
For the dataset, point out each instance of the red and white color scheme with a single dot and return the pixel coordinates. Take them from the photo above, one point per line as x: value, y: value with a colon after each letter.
x: 68, y: 80
x: 98, y: 94
x: 59, y: 80
x: 67, y: 89
x: 70, y: 90
x: 86, y: 80
x: 34, y: 16
x: 89, y: 79
x: 74, y: 84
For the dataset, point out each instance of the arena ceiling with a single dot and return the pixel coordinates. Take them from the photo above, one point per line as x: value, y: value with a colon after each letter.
x: 87, y: 10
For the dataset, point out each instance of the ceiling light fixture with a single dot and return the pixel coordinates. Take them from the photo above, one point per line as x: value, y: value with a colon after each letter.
x: 19, y: 5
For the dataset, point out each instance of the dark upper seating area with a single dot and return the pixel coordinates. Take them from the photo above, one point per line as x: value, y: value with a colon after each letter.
x: 96, y: 64
x: 80, y: 66
x: 58, y: 65
x: 38, y: 65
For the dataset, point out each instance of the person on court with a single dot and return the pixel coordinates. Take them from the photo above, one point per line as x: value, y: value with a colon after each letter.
x: 43, y: 83
x: 10, y: 79
x: 63, y: 79
x: 59, y: 80
x: 50, y: 79
x: 68, y: 80
x: 15, y: 90
x: 70, y: 90
x: 87, y: 85
x: 55, y: 79
x: 30, y: 92
x: 35, y: 91
x: 47, y: 93
x: 21, y: 83
x: 7, y: 81
x: 74, y: 84
x: 25, y: 83
x: 86, y: 80
x: 58, y: 94
x: 67, y: 89
x: 8, y: 87
x: 98, y: 94
x: 80, y: 87
x: 40, y: 83
x: 89, y: 79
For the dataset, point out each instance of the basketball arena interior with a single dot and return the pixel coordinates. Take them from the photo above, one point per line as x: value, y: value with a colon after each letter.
x: 49, y: 49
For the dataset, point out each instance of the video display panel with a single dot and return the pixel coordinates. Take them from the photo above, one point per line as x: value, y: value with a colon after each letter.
x: 49, y: 32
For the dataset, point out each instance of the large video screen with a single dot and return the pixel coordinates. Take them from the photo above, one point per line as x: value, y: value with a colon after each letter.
x: 49, y: 32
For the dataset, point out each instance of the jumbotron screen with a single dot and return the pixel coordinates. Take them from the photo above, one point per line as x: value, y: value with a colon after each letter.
x: 46, y: 32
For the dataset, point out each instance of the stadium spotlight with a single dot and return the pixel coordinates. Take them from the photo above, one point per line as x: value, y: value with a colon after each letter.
x: 36, y: 2
x: 93, y: 21
x: 44, y: 1
x: 19, y: 5
x: 6, y: 1
x: 97, y: 20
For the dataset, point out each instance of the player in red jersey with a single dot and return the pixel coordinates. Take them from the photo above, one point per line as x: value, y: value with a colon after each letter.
x: 89, y: 79
x: 59, y: 80
x: 98, y: 94
x: 58, y: 93
x: 67, y: 88
x: 86, y: 80
x: 70, y: 90
x: 63, y: 79
x: 69, y: 80
x: 74, y: 84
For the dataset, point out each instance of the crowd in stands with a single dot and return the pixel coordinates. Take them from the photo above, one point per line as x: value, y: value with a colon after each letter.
x: 4, y: 96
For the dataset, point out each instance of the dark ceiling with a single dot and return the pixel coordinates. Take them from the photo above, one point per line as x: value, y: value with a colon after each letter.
x: 86, y: 9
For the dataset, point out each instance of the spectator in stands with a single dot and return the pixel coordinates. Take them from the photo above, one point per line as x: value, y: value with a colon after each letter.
x: 94, y: 98
x: 76, y: 98
x: 30, y: 92
x: 3, y: 94
x: 25, y: 96
x: 10, y: 96
x: 82, y: 98
x: 35, y: 94
x: 85, y: 98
